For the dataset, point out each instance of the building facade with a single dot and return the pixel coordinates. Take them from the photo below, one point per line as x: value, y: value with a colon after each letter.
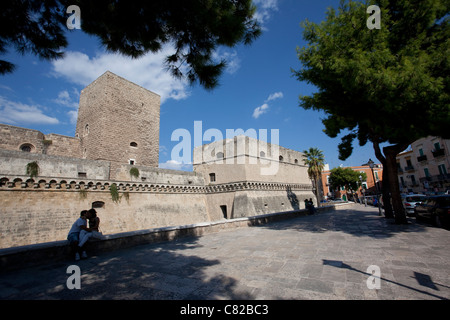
x: 369, y: 185
x: 425, y: 167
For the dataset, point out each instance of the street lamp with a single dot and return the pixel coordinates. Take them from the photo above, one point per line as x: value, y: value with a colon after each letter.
x: 371, y: 165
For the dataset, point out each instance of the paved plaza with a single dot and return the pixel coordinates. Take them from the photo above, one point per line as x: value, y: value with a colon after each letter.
x: 324, y: 256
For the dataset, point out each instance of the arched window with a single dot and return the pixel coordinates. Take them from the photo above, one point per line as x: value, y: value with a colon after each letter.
x: 86, y: 129
x: 98, y: 204
x: 296, y: 161
x: 262, y: 154
x: 133, y: 144
x: 281, y: 158
x: 26, y: 147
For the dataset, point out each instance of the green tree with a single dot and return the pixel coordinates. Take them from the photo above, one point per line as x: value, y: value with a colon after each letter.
x: 346, y: 178
x: 387, y: 86
x: 196, y: 28
x: 315, y: 161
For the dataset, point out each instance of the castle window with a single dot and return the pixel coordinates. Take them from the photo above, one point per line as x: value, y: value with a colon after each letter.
x: 133, y: 144
x: 219, y: 155
x: 86, y: 130
x: 98, y: 204
x: 132, y: 161
x: 82, y: 175
x: 281, y: 158
x: 296, y: 161
x: 262, y: 154
x: 212, y: 177
x: 26, y: 147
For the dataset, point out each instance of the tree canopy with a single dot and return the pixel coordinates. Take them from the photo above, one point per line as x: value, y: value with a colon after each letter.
x: 315, y: 160
x: 195, y: 28
x: 347, y: 178
x: 388, y: 85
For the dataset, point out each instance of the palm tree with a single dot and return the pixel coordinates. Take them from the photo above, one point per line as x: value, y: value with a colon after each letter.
x: 314, y: 159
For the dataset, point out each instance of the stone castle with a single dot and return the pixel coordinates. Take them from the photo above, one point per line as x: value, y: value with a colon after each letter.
x: 112, y: 165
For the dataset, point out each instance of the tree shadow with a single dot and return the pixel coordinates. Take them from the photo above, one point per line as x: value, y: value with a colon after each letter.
x: 355, y: 221
x: 161, y: 271
x: 422, y: 279
x: 293, y: 199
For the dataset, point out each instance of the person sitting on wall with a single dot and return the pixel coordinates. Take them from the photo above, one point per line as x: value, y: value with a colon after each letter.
x: 74, y: 234
x: 311, y: 206
x: 92, y: 231
x: 306, y: 204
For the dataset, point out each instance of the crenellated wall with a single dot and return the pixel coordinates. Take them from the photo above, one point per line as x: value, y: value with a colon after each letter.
x: 43, y: 209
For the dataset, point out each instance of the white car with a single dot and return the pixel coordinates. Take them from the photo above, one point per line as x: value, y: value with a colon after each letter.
x: 410, y: 201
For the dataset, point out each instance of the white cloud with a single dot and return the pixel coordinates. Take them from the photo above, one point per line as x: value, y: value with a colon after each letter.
x: 275, y: 96
x: 73, y: 115
x: 175, y: 165
x: 264, y: 11
x: 260, y: 110
x: 6, y: 88
x: 231, y: 58
x: 65, y: 99
x: 17, y: 113
x: 265, y: 107
x: 148, y: 71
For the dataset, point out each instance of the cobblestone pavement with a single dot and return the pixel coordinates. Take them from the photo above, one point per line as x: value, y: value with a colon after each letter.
x: 324, y: 256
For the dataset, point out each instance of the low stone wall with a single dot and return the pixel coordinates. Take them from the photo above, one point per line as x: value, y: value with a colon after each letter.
x: 32, y: 255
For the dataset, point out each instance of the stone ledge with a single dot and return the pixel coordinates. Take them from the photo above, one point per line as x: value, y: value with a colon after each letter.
x: 32, y: 255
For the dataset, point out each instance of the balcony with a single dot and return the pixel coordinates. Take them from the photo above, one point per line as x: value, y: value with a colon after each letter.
x: 422, y: 158
x: 438, y: 153
x: 436, y: 178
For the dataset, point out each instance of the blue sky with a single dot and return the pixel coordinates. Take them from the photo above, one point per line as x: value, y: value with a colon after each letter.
x: 257, y: 90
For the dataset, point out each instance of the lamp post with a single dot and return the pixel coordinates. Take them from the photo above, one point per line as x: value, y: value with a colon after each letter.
x: 371, y: 165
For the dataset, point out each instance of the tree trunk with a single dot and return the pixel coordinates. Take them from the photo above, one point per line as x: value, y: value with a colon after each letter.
x: 386, y: 191
x: 390, y: 153
x: 316, y: 181
x: 388, y: 213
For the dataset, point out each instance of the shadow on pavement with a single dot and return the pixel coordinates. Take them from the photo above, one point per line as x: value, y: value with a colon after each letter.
x: 149, y: 272
x: 422, y: 279
x: 357, y: 221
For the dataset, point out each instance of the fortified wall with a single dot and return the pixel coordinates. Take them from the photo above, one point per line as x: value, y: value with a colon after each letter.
x: 94, y: 169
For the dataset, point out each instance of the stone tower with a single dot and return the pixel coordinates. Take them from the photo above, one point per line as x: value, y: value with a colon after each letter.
x: 118, y: 121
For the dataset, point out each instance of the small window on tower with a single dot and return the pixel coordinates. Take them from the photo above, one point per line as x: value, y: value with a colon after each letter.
x: 133, y: 144
x: 86, y: 130
x: 26, y: 147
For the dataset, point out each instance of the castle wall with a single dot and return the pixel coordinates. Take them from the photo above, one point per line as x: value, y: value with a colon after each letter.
x: 158, y: 175
x: 14, y: 163
x: 59, y: 145
x: 32, y: 214
x: 13, y: 138
x: 246, y: 159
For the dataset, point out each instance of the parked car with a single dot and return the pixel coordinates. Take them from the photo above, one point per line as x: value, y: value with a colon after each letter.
x: 410, y: 201
x: 436, y: 209
x: 369, y: 200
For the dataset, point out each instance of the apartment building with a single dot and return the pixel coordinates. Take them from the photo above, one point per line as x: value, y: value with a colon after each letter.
x: 425, y: 167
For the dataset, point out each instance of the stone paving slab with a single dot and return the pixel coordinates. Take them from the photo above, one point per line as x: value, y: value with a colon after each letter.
x: 319, y: 257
